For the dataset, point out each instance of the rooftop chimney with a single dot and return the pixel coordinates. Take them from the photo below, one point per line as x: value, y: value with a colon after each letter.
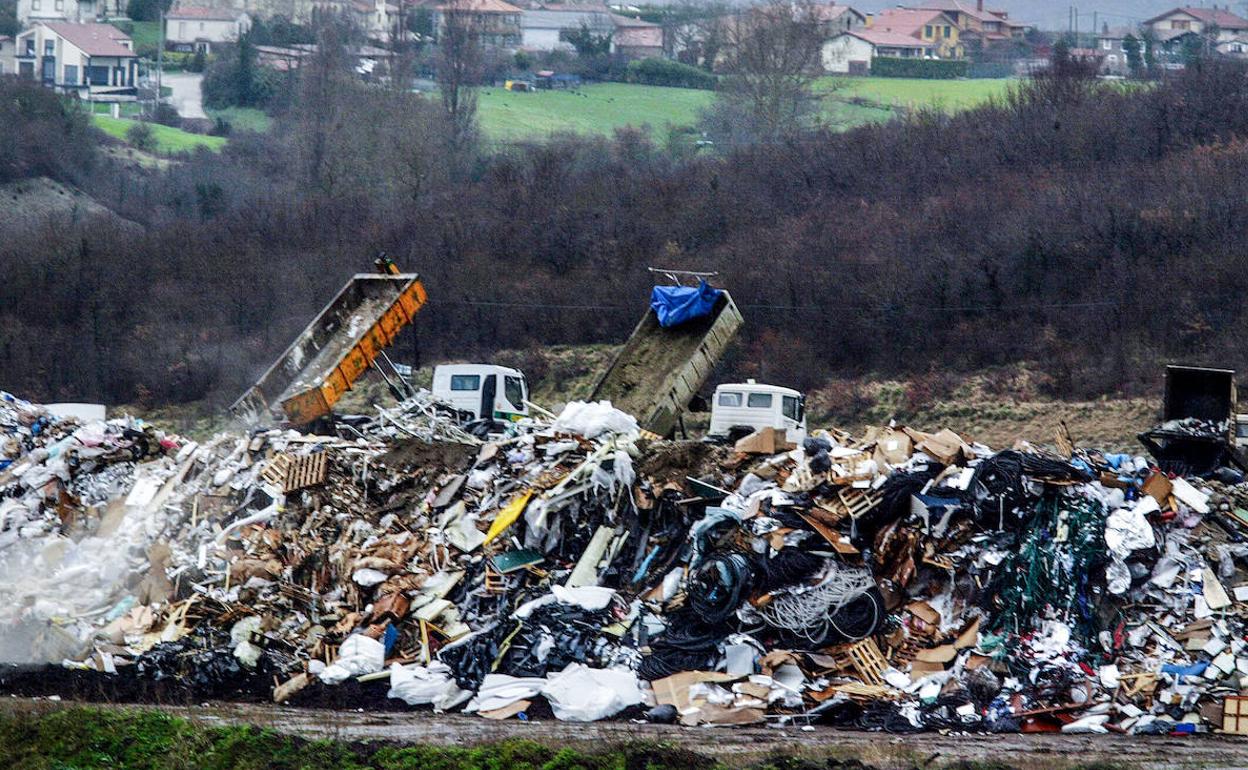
x: 980, y: 6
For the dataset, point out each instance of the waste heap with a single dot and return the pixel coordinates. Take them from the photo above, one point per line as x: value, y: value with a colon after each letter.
x: 898, y: 581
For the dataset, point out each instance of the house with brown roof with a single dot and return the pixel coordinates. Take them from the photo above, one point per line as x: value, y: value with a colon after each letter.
x: 497, y: 23
x: 636, y: 39
x: 851, y: 53
x: 1216, y: 22
x: 199, y: 29
x: 33, y: 11
x: 975, y: 21
x: 932, y: 27
x: 83, y: 58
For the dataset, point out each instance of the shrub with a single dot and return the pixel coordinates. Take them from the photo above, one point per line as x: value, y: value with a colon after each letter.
x: 663, y: 72
x: 927, y: 69
x: 141, y: 137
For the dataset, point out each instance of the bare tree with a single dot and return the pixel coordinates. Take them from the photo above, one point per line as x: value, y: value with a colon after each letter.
x: 772, y: 58
x: 459, y: 66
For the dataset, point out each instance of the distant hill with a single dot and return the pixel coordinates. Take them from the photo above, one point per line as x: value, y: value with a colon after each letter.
x: 1050, y: 14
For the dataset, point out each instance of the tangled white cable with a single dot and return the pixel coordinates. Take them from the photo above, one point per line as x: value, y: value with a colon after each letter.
x: 808, y: 612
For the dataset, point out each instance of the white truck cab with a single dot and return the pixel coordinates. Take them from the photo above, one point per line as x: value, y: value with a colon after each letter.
x: 482, y: 390
x: 746, y: 407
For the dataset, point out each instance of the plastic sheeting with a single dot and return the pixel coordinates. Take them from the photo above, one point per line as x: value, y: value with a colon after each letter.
x: 358, y: 655
x: 592, y: 419
x: 675, y: 305
x: 583, y: 694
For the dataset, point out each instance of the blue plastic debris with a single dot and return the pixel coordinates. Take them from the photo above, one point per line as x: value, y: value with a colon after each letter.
x: 675, y: 305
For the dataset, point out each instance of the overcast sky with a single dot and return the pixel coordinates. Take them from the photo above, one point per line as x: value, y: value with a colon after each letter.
x: 1052, y: 14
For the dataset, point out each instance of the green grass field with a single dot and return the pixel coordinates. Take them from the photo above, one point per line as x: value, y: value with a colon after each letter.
x: 168, y: 140
x: 593, y: 109
x: 603, y: 107
x: 243, y: 118
x: 911, y: 93
x: 143, y: 33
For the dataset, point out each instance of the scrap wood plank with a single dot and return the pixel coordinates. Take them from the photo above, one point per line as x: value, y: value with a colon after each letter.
x: 290, y: 472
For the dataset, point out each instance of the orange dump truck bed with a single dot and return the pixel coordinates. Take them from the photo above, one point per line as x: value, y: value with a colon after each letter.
x: 335, y: 349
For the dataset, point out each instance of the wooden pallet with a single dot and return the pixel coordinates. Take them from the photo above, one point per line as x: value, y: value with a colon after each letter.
x: 858, y: 502
x: 867, y: 660
x: 289, y: 472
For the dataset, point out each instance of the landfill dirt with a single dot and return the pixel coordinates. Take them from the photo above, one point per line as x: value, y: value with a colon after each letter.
x: 733, y: 747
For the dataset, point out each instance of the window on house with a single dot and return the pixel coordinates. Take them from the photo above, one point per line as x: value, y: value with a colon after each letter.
x: 30, y: 46
x: 71, y: 74
x: 60, y: 5
x: 201, y: 26
x: 49, y: 48
x: 760, y: 401
x: 948, y: 31
x: 1177, y: 24
x: 465, y: 382
x: 1108, y: 45
x: 36, y: 5
x: 730, y: 399
x: 927, y: 31
x: 182, y: 30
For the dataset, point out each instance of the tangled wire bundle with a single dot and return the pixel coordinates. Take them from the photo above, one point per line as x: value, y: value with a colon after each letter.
x: 845, y: 606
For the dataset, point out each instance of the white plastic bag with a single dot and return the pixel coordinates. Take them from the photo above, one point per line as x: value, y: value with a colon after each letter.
x: 592, y: 419
x: 583, y: 694
x: 358, y: 655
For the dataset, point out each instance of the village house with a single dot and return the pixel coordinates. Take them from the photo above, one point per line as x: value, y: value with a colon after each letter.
x: 636, y: 39
x: 851, y: 53
x: 546, y: 27
x: 1219, y: 23
x: 835, y: 19
x: 81, y: 58
x: 931, y: 27
x: 199, y: 29
x: 30, y: 12
x: 1112, y: 43
x: 497, y: 23
x: 976, y: 22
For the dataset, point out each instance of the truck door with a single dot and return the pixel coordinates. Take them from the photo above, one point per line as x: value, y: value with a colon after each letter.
x: 488, y: 388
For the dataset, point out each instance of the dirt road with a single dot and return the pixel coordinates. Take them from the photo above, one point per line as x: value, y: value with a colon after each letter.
x: 731, y: 745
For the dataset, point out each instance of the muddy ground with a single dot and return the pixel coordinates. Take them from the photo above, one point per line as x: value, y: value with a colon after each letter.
x: 734, y: 746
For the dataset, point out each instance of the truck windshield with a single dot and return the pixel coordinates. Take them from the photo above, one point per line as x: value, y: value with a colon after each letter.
x: 792, y: 408
x: 760, y: 401
x: 465, y: 382
x: 513, y: 389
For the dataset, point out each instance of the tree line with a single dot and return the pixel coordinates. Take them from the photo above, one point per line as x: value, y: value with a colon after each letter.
x: 1090, y: 230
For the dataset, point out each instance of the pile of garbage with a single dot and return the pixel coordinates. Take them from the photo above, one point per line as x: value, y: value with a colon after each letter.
x: 899, y: 580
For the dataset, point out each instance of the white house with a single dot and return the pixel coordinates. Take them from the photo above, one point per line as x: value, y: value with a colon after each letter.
x: 850, y: 53
x: 546, y: 27
x: 33, y: 11
x: 199, y: 29
x: 83, y: 58
x: 1182, y: 21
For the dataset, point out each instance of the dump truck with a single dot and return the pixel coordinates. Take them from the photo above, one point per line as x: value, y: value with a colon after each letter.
x: 1200, y: 426
x: 660, y: 370
x: 346, y: 338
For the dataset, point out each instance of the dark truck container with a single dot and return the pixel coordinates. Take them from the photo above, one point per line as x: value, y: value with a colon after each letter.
x: 1197, y: 433
x: 659, y: 371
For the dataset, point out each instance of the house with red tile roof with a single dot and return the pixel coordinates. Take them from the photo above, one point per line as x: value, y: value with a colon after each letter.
x: 1222, y: 24
x: 82, y: 58
x: 929, y: 26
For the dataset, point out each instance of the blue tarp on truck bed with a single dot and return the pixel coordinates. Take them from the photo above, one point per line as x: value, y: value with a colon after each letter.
x: 674, y: 305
